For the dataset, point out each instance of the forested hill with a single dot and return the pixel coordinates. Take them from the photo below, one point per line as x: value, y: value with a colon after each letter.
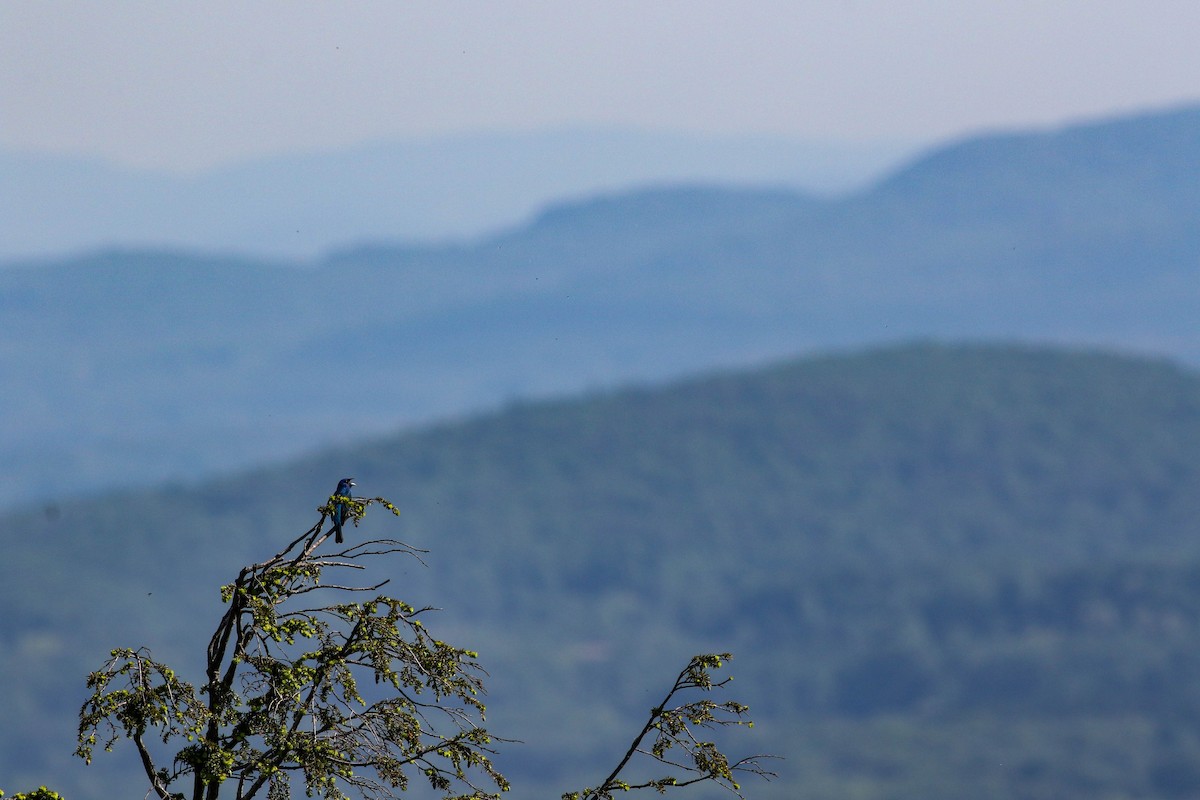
x: 119, y: 365
x: 968, y: 571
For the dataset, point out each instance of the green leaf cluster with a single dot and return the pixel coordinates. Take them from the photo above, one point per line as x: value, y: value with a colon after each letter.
x: 40, y: 793
x: 676, y: 728
x: 282, y: 692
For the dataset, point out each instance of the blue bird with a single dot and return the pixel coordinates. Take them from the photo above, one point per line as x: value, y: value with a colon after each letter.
x: 339, y: 509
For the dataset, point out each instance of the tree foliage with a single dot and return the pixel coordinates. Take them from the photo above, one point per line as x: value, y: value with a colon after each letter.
x: 283, y: 696
x: 40, y: 793
x: 673, y: 743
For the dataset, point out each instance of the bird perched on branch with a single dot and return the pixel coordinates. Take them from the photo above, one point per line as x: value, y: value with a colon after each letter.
x: 340, y: 512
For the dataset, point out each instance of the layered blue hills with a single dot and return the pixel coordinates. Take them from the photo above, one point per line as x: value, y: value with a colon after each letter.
x: 125, y: 366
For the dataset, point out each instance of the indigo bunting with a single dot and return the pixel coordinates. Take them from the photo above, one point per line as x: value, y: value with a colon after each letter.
x: 339, y: 509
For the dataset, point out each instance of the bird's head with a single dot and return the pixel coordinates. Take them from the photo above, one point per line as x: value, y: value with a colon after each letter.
x: 344, y: 486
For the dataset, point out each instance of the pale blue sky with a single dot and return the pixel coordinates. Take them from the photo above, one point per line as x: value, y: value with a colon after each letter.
x: 183, y: 85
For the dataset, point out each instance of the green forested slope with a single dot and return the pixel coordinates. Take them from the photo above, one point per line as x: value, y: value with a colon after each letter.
x: 946, y: 571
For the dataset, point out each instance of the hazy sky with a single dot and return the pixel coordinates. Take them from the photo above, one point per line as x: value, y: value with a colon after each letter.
x: 186, y: 85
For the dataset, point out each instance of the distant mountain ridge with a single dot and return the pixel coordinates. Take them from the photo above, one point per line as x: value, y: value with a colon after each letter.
x: 127, y: 364
x: 455, y: 187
